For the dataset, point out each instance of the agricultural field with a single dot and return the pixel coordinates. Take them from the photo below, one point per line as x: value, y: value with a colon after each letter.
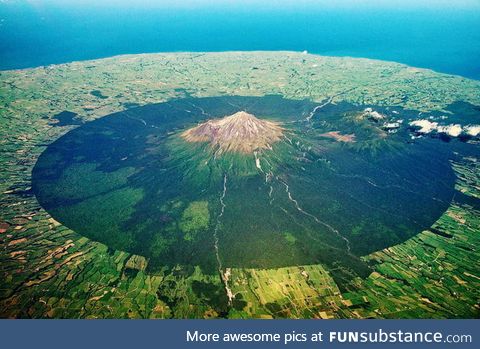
x: 355, y: 196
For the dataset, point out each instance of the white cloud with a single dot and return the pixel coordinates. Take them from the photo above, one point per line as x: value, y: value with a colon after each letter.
x: 451, y: 130
x: 425, y: 126
x: 473, y: 130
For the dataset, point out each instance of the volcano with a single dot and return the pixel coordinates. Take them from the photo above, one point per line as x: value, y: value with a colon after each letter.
x: 245, y: 182
x: 240, y: 132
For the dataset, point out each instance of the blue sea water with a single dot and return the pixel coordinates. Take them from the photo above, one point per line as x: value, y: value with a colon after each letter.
x: 445, y: 41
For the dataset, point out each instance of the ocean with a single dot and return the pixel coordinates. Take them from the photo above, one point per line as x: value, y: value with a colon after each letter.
x: 445, y: 41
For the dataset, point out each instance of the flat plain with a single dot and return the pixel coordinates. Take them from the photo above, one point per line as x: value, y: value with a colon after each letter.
x: 49, y: 270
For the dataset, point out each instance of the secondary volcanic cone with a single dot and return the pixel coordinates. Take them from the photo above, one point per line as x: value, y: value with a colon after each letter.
x: 241, y: 132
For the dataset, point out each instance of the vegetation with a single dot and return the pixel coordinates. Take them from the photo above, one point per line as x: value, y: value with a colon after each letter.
x: 194, y: 219
x: 51, y: 271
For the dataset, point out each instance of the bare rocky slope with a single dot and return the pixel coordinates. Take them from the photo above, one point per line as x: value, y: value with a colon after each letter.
x: 241, y: 132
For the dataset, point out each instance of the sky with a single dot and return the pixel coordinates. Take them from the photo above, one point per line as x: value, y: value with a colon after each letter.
x: 273, y: 4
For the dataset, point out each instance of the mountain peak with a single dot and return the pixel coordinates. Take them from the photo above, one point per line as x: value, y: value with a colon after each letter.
x: 240, y: 132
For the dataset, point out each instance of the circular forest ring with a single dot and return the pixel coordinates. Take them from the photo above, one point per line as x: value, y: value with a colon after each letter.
x: 258, y: 182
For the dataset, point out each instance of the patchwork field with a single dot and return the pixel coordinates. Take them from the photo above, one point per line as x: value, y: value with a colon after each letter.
x: 357, y: 213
